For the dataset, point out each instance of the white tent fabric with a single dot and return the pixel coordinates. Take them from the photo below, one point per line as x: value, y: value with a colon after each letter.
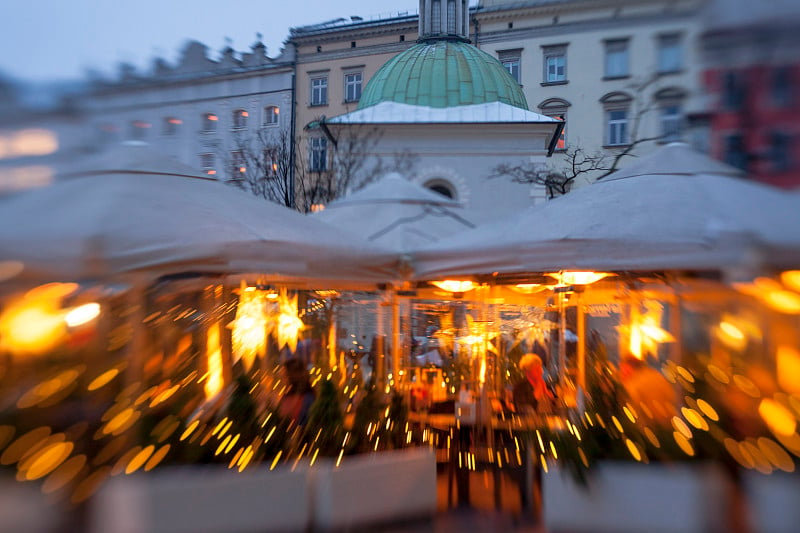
x: 396, y: 214
x: 139, y: 212
x: 675, y: 209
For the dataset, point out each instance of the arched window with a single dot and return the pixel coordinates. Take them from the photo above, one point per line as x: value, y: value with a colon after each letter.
x: 441, y: 186
x: 557, y: 108
x: 617, y: 107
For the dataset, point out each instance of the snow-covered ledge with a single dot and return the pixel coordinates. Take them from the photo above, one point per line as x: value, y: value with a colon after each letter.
x: 627, y: 497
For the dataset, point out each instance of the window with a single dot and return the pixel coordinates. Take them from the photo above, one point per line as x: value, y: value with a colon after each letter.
x: 617, y: 130
x: 671, y: 122
x: 139, y: 129
x: 733, y: 91
x: 451, y: 16
x: 511, y: 61
x: 319, y: 91
x: 441, y: 186
x: 734, y: 152
x: 271, y: 115
x: 617, y: 106
x: 781, y: 89
x: 617, y: 58
x: 207, y: 163
x: 557, y: 108
x: 171, y: 125
x: 436, y: 17
x: 669, y: 53
x: 319, y: 154
x: 238, y: 164
x: 352, y: 87
x: 210, y: 123
x: 240, y: 119
x: 780, y: 151
x: 555, y: 64
x: 270, y: 163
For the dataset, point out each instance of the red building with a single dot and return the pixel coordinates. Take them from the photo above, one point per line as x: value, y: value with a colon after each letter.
x: 751, y: 52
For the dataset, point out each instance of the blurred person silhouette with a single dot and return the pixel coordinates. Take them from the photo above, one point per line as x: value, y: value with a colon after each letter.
x: 531, y: 393
x: 648, y: 389
x: 299, y: 395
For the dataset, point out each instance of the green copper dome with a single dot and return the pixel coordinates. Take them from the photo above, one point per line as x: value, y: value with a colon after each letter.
x: 443, y: 73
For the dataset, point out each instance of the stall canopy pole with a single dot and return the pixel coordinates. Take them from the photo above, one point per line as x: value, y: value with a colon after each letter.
x: 581, y: 327
x: 395, y: 337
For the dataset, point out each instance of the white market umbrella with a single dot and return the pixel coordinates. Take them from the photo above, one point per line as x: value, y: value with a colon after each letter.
x: 674, y: 209
x: 397, y: 214
x: 133, y: 210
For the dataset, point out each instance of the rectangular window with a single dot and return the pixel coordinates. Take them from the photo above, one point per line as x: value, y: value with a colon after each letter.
x: 210, y: 122
x: 319, y: 91
x: 352, y: 87
x: 511, y: 61
x: 171, y: 125
x: 669, y: 53
x: 617, y: 131
x: 555, y: 64
x: 238, y: 164
x: 139, y: 129
x: 781, y: 89
x: 271, y: 115
x: 207, y: 163
x: 733, y: 91
x: 319, y: 154
x: 617, y: 58
x: 512, y: 66
x: 735, y: 154
x: 436, y: 17
x: 671, y: 123
x: 270, y: 163
x: 240, y: 119
x: 451, y: 17
x: 780, y: 151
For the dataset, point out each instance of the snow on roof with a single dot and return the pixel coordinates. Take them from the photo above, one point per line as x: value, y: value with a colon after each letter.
x: 397, y: 113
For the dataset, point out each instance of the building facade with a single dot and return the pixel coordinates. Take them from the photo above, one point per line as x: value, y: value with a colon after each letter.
x: 751, y: 72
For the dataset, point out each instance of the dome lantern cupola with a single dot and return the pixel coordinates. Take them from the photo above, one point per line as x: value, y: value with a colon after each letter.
x: 443, y: 19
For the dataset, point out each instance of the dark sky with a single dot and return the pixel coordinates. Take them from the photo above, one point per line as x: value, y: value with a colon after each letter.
x: 59, y: 39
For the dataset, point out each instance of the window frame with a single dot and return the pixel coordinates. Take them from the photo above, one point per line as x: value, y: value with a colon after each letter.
x: 358, y: 86
x: 271, y: 118
x: 239, y: 118
x: 318, y: 154
x: 512, y: 62
x: 616, y: 48
x: 238, y: 162
x: 319, y: 94
x: 210, y: 123
x: 554, y: 52
x: 667, y: 64
x: 208, y: 163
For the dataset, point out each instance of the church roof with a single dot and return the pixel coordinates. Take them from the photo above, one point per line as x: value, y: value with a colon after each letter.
x: 443, y: 73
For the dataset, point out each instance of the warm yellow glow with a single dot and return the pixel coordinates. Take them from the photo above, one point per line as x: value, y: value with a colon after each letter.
x: 215, y: 380
x: 250, y: 327
x: 28, y: 142
x: 784, y: 301
x: 48, y: 459
x: 32, y: 325
x: 103, y: 379
x: 780, y: 420
x: 788, y: 366
x: 82, y: 314
x: 656, y: 333
x: 530, y: 288
x: 289, y: 324
x: 578, y: 277
x: 707, y: 410
x: 791, y: 278
x: 454, y: 285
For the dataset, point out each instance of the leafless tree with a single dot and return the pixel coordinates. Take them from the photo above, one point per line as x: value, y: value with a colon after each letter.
x: 581, y: 161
